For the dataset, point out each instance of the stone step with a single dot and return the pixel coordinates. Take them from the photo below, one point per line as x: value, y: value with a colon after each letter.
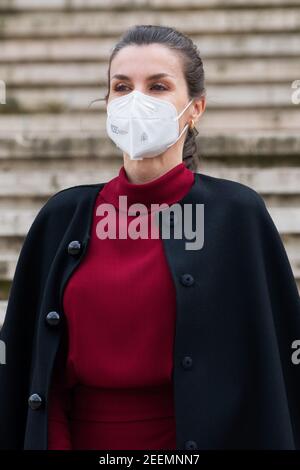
x: 274, y: 180
x: 220, y: 46
x: 216, y: 71
x: 107, y: 23
x: 10, y: 247
x: 16, y: 221
x: 270, y: 124
x: 287, y: 220
x: 48, y: 142
x: 43, y: 181
x: 8, y: 264
x: 31, y: 5
x: 9, y: 258
x: 3, y: 307
x: 43, y: 178
x: 75, y: 98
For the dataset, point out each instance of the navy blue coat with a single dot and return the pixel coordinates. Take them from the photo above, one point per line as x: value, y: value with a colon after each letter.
x: 235, y: 384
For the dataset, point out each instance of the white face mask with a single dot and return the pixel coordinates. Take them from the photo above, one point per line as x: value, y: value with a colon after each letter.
x: 143, y: 126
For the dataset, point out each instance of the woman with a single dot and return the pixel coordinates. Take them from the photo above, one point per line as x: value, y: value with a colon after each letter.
x: 141, y: 342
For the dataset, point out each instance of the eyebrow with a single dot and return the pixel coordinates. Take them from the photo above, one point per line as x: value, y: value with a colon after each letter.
x: 151, y: 77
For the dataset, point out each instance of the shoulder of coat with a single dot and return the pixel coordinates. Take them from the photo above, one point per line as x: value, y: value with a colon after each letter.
x: 74, y: 193
x: 226, y: 191
x: 71, y: 196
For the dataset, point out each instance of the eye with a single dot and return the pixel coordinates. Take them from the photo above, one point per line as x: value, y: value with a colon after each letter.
x: 120, y: 87
x: 160, y: 85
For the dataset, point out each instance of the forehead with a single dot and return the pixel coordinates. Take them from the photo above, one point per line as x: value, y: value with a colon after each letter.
x: 141, y: 61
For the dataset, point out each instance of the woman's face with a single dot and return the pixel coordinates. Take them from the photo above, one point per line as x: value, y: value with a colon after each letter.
x: 156, y: 71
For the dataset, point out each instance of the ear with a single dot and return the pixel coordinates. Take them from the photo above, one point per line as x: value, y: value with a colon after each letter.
x: 199, y: 108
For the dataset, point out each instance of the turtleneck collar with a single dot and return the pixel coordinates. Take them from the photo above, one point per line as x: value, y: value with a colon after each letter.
x: 168, y: 188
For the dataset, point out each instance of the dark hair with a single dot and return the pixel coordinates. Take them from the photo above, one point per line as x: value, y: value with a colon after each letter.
x: 192, y: 69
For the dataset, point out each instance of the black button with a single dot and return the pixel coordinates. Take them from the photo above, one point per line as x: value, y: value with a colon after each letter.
x: 35, y: 401
x: 187, y: 362
x: 190, y: 445
x: 74, y: 248
x: 187, y: 279
x: 53, y: 318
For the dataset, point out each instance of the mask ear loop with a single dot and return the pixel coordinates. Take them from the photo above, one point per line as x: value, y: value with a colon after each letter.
x: 180, y: 114
x: 185, y: 127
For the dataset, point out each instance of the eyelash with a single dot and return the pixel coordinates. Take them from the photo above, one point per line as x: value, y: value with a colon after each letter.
x: 116, y: 88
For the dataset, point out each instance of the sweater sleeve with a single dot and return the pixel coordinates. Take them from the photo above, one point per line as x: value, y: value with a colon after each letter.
x: 60, y: 402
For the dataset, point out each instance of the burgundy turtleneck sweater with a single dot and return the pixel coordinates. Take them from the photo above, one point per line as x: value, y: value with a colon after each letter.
x: 112, y: 382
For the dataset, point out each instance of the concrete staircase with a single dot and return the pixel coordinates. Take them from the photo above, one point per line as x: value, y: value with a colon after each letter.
x: 53, y: 60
